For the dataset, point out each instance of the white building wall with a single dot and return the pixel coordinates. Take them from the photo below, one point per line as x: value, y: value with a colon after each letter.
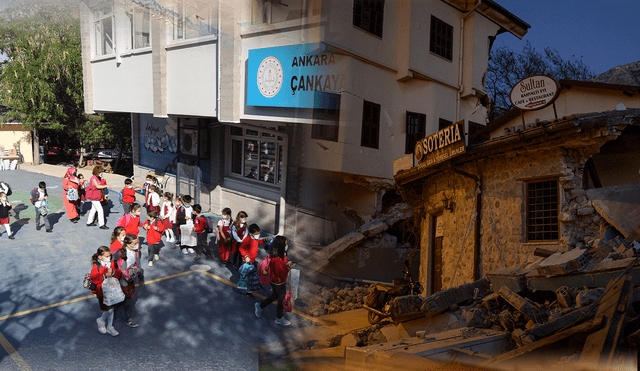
x: 191, y: 80
x: 124, y: 87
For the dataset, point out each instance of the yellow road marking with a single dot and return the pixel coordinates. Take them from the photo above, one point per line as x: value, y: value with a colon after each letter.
x: 22, y: 365
x: 80, y: 299
x: 260, y: 296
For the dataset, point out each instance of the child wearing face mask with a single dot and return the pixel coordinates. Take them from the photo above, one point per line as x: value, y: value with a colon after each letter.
x: 154, y: 229
x: 238, y: 232
x: 168, y: 217
x: 248, y: 249
x: 104, y: 267
x: 223, y: 230
x: 117, y: 236
x: 131, y: 221
x: 279, y: 269
x: 200, y: 225
x: 126, y: 257
x: 5, y: 206
x: 183, y: 215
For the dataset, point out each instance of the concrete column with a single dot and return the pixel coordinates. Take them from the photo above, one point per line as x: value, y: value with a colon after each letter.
x: 159, y: 26
x: 87, y: 75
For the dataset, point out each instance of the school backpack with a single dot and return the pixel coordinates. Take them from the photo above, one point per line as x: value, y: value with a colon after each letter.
x: 120, y: 195
x: 207, y: 228
x: 123, y: 220
x: 6, y: 187
x: 248, y: 280
x: 72, y: 194
x: 34, y: 196
x: 263, y: 267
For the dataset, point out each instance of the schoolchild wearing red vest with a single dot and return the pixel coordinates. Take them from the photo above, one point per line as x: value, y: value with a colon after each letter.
x: 224, y: 235
x: 104, y: 267
x: 131, y: 222
x: 155, y: 229
x: 239, y: 233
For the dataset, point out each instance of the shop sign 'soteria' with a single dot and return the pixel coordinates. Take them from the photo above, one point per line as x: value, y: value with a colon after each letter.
x: 441, y: 146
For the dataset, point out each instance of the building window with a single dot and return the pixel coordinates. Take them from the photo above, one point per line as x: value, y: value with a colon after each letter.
x: 368, y: 15
x: 442, y: 123
x: 542, y: 210
x: 474, y: 127
x: 140, y: 27
x: 441, y: 38
x: 276, y: 11
x: 193, y: 18
x: 327, y: 121
x: 257, y: 154
x: 370, y: 125
x: 416, y: 130
x: 103, y: 30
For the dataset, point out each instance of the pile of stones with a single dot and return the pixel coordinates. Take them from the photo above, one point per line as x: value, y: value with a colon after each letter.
x: 319, y: 301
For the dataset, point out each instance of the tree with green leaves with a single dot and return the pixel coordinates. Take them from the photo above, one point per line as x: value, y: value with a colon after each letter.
x: 41, y: 76
x: 507, y: 67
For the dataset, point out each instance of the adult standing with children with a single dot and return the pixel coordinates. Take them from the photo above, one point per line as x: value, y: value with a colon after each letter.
x: 279, y: 269
x: 71, y: 195
x: 95, y: 194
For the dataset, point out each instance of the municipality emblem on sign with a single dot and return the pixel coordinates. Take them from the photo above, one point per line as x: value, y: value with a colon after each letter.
x: 270, y: 76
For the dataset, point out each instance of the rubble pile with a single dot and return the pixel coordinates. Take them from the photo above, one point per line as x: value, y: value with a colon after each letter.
x: 585, y: 293
x: 324, y: 300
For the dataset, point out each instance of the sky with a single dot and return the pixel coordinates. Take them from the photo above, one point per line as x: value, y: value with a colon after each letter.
x: 602, y: 33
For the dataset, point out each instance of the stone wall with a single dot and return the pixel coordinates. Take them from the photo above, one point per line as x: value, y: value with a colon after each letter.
x: 503, y: 177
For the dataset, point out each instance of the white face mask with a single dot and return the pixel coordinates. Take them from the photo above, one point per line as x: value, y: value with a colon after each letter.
x: 286, y: 247
x: 104, y: 261
x: 135, y: 247
x: 101, y: 175
x: 121, y: 238
x: 255, y: 236
x: 3, y: 199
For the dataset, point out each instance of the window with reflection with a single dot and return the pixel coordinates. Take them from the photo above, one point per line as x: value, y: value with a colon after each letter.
x: 194, y: 18
x: 257, y: 155
x: 103, y: 29
x: 140, y: 27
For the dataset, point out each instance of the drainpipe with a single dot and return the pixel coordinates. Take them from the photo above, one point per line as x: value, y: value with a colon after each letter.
x: 476, y: 232
x: 461, y: 53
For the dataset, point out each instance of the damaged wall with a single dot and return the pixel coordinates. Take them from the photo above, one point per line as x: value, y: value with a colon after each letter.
x: 503, y: 234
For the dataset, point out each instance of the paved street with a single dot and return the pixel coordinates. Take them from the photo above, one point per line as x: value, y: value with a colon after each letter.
x: 191, y: 316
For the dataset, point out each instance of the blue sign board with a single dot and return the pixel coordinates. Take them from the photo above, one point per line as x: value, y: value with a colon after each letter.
x: 297, y: 76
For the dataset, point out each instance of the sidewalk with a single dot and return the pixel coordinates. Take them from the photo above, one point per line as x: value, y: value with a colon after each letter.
x: 114, y: 181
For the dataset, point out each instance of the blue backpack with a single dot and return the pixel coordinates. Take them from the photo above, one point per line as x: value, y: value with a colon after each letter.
x: 248, y: 281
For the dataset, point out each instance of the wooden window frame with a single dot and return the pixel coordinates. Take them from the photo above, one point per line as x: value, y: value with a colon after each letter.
x: 441, y: 38
x: 370, y: 135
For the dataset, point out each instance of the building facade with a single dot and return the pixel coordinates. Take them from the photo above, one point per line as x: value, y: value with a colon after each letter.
x: 291, y: 110
x: 531, y: 179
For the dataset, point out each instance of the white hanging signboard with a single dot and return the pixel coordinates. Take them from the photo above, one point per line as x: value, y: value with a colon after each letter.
x: 534, y: 92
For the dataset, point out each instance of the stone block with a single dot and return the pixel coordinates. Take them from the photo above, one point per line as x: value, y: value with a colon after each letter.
x: 567, y: 217
x: 565, y: 299
x: 586, y: 210
x: 563, y: 263
x: 514, y: 278
x: 523, y: 305
x: 587, y: 297
x: 373, y: 228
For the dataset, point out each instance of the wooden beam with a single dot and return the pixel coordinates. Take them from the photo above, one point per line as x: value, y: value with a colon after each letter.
x: 600, y: 347
x: 588, y: 326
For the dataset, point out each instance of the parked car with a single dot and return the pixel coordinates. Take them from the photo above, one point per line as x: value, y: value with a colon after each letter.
x: 112, y: 154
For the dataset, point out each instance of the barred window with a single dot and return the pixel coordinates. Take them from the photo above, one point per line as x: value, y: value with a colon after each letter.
x: 441, y: 42
x: 542, y: 210
x: 368, y: 15
x: 257, y: 154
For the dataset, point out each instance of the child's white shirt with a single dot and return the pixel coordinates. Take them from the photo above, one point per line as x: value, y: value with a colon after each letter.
x: 155, y: 199
x: 168, y: 206
x: 41, y: 199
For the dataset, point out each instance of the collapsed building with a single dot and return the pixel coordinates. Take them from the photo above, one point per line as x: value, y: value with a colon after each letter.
x: 535, y: 209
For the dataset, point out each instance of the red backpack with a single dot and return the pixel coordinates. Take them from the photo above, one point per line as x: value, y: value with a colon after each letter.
x: 265, y: 266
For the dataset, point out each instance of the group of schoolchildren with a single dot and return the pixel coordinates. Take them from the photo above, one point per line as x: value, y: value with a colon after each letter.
x: 39, y: 198
x: 237, y: 246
